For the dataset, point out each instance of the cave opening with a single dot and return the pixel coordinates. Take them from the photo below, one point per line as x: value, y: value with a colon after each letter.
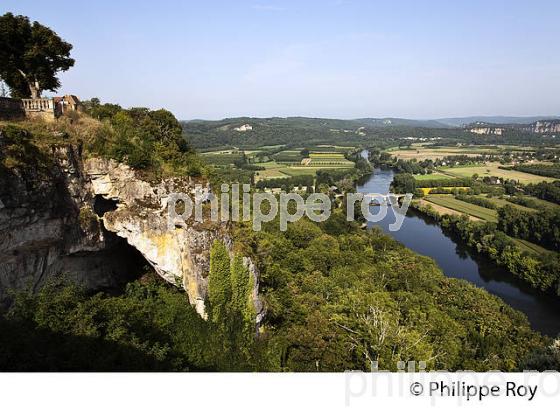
x: 118, y: 264
x: 103, y: 205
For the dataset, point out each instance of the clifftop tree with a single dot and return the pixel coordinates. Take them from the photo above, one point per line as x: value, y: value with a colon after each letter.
x: 31, y: 56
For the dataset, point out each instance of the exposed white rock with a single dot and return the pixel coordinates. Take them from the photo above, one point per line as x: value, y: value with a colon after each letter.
x: 53, y: 229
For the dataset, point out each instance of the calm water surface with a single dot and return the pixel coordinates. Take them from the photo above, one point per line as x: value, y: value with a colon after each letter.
x: 424, y: 236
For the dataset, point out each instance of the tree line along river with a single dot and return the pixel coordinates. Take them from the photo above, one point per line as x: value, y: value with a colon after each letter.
x: 424, y: 236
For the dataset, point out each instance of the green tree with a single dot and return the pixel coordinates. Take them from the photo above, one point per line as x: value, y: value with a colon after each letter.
x: 31, y: 56
x: 219, y: 283
x: 240, y: 282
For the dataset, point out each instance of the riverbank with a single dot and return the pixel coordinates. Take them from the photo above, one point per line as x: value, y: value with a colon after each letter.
x: 537, y: 270
x: 425, y: 236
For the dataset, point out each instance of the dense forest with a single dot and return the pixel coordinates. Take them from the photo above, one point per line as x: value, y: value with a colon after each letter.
x: 549, y: 191
x: 541, y: 227
x: 293, y: 131
x: 337, y: 298
x: 552, y: 171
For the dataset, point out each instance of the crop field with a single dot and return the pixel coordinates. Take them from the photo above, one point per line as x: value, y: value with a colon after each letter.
x: 222, y: 158
x: 434, y: 175
x: 492, y: 169
x: 335, y: 148
x: 290, y: 156
x: 326, y: 155
x: 426, y: 191
x: 499, y: 202
x: 421, y: 151
x: 447, y: 205
x: 284, y: 163
x: 450, y: 202
x: 542, y: 202
x: 527, y: 246
x: 442, y: 210
x: 328, y: 160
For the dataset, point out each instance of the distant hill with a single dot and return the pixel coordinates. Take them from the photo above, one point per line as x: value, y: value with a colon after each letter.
x: 382, y: 122
x: 369, y: 122
x: 298, y: 132
x: 400, y: 122
x: 304, y: 132
x: 461, y: 121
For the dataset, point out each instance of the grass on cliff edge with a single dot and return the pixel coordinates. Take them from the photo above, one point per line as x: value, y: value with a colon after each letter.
x: 149, y: 141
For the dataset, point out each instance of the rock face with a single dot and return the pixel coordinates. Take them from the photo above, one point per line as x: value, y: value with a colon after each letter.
x: 487, y: 130
x: 180, y: 255
x: 97, y: 221
x: 546, y: 126
x: 46, y: 229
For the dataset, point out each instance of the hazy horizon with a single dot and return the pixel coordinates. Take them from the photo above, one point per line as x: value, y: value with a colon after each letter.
x: 333, y: 59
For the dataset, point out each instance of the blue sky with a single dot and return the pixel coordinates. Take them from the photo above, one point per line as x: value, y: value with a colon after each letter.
x: 331, y: 58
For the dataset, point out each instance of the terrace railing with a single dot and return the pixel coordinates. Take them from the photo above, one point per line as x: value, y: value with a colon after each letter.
x: 38, y: 104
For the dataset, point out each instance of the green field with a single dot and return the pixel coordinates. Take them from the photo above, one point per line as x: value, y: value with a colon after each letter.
x: 527, y: 246
x: 421, y: 152
x: 489, y: 215
x: 434, y: 175
x: 492, y: 169
x: 499, y: 202
x: 326, y: 155
x: 542, y: 202
x: 284, y: 164
x: 448, y: 201
x: 221, y: 158
x: 291, y: 156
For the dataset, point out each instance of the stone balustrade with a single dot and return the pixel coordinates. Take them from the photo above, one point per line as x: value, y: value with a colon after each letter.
x: 38, y: 104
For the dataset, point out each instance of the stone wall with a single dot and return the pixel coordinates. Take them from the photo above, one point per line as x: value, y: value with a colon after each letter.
x: 39, y: 108
x: 11, y: 108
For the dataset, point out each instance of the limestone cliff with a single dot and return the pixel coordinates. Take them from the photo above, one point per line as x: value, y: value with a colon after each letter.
x: 546, y: 127
x: 92, y: 219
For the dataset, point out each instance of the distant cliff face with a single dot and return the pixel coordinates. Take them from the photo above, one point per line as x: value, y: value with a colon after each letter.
x: 98, y: 221
x: 545, y: 127
x: 487, y: 130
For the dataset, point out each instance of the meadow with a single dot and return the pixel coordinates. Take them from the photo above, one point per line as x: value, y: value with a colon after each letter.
x: 493, y: 169
x: 499, y: 202
x: 448, y: 201
x: 286, y: 163
x: 448, y: 204
x: 433, y: 175
x: 422, y: 151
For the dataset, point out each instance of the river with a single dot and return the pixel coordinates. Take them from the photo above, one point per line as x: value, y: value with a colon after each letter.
x: 424, y: 236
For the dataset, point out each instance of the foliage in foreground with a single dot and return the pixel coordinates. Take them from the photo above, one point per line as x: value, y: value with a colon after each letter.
x: 339, y: 298
x: 151, y: 327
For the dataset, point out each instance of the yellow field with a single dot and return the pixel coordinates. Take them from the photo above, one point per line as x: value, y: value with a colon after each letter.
x: 426, y: 191
x: 326, y: 155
